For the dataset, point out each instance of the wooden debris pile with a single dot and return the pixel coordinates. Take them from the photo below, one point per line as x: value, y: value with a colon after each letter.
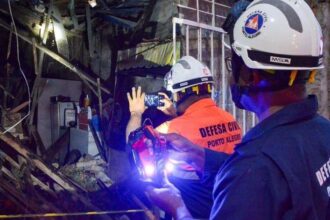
x: 29, y: 185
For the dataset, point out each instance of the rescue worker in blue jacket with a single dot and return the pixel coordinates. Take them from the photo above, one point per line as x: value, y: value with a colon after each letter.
x: 281, y: 170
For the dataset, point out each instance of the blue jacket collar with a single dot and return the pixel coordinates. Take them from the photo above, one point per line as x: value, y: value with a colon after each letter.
x: 293, y: 112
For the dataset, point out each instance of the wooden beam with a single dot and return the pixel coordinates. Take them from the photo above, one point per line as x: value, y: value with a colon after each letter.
x: 13, y: 199
x: 56, y: 177
x: 34, y: 179
x: 13, y: 192
x: 7, y: 92
x: 19, y: 107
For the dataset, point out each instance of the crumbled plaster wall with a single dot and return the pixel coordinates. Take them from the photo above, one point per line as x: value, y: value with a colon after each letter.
x: 321, y: 87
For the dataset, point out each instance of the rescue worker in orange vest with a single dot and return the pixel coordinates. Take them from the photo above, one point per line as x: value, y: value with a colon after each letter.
x: 199, y: 120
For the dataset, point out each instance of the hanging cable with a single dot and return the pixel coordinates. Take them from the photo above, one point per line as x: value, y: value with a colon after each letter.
x: 21, y: 71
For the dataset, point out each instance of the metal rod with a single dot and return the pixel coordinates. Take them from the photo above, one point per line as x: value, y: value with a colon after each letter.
x: 61, y: 60
x: 223, y: 75
x: 187, y: 40
x: 244, y: 122
x: 213, y: 13
x: 174, y: 40
x: 196, y: 24
x: 234, y: 111
x: 52, y: 215
x: 212, y: 55
x: 197, y: 9
x: 218, y: 4
x: 199, y: 44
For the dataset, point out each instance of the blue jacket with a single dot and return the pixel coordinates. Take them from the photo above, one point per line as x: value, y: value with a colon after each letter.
x: 281, y: 170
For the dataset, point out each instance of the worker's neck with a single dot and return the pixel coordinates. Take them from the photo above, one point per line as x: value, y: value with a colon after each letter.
x: 272, y: 102
x: 268, y: 112
x: 188, y: 102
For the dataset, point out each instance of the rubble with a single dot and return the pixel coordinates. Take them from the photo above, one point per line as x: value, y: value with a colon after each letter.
x: 87, y: 172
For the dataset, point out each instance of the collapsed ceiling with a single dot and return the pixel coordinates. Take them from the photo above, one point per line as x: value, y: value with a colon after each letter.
x: 87, y: 34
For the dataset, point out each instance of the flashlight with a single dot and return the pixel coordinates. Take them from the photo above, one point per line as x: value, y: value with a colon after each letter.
x: 149, y: 154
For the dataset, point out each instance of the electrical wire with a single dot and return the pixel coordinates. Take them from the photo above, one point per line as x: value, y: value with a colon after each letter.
x: 21, y: 71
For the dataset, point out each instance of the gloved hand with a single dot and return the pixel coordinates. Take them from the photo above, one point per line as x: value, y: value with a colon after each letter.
x: 169, y: 199
x: 136, y: 101
x: 168, y: 107
x: 181, y: 149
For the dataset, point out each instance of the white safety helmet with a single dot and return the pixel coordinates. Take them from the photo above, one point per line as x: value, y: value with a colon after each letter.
x: 187, y: 72
x: 279, y: 35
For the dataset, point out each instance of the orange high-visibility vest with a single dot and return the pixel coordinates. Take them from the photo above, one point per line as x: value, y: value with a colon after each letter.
x: 206, y: 125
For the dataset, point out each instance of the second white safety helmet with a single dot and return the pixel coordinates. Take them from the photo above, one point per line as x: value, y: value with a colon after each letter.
x: 185, y: 73
x: 279, y: 35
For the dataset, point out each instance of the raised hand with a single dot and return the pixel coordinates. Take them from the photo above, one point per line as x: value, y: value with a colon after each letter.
x: 136, y: 101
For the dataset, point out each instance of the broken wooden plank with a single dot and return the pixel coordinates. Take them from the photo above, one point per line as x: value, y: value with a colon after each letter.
x: 37, y: 162
x: 7, y: 92
x: 34, y: 179
x: 19, y: 107
x: 27, y: 203
x: 8, y: 173
x: 13, y: 199
x: 7, y: 138
x: 35, y: 59
x: 28, y: 184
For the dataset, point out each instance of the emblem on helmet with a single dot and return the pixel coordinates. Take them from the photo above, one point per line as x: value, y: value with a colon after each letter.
x: 254, y: 23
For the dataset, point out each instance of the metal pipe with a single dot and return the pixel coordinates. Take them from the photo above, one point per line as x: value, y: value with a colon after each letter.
x: 196, y: 24
x: 60, y: 59
x: 223, y: 75
x: 197, y: 9
x: 212, y: 53
x: 199, y: 44
x: 187, y: 40
x: 234, y: 111
x: 244, y: 122
x: 174, y: 40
